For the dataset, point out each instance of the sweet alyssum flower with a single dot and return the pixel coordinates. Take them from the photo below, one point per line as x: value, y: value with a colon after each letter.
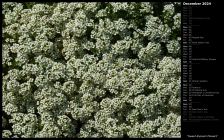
x: 91, y: 69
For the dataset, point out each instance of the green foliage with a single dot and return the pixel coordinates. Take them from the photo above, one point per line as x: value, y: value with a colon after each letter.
x: 91, y: 69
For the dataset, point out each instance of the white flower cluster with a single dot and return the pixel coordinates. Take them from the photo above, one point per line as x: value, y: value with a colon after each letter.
x: 91, y: 69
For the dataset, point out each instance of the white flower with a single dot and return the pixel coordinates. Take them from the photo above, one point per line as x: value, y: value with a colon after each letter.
x: 91, y: 69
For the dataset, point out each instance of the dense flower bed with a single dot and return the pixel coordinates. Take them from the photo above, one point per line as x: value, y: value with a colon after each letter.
x: 91, y: 69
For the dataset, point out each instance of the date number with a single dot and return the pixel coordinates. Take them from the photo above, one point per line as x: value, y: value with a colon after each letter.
x: 206, y: 3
